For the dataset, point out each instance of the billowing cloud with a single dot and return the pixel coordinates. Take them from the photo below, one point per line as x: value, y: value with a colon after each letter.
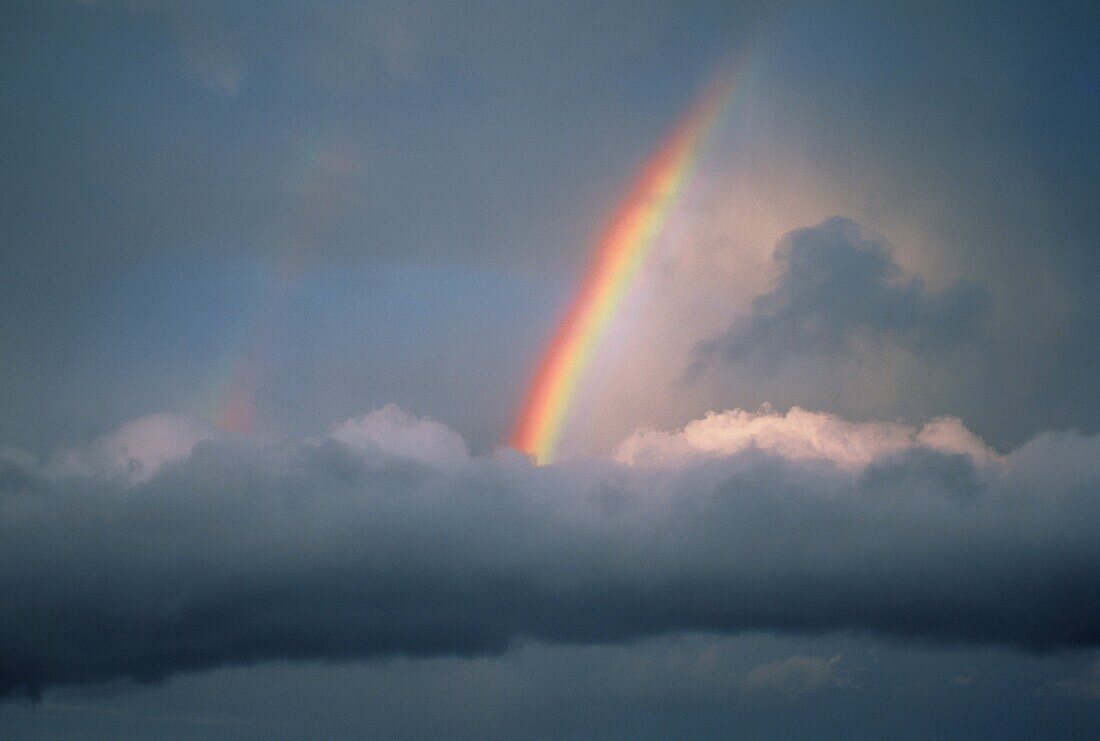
x: 393, y: 431
x: 838, y: 291
x: 134, y: 452
x: 798, y: 435
x: 236, y: 551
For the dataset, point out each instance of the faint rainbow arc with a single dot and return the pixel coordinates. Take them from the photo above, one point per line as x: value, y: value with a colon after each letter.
x: 325, y: 164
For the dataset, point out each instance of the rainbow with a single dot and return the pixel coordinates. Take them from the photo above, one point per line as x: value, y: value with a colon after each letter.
x: 322, y: 167
x: 618, y: 258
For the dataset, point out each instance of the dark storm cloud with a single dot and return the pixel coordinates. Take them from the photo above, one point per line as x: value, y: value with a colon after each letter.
x: 838, y: 291
x: 320, y: 549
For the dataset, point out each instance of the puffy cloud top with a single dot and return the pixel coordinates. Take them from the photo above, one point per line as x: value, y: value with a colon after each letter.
x: 798, y: 435
x: 393, y: 431
x: 136, y: 451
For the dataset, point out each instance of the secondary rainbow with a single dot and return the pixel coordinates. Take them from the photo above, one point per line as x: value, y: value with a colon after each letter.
x: 619, y: 255
x: 323, y: 166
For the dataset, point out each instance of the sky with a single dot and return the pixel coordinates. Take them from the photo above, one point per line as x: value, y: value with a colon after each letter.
x: 277, y: 282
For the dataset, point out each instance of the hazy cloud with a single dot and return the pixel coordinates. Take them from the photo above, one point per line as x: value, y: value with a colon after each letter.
x: 796, y: 676
x: 1087, y: 687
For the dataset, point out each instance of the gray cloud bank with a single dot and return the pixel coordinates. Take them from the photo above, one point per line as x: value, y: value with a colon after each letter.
x: 207, y: 551
x: 838, y: 290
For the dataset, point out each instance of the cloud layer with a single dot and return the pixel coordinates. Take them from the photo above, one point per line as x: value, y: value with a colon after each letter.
x: 235, y: 552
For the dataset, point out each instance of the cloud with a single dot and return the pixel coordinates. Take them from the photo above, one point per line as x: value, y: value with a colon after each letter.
x: 1087, y: 687
x: 798, y: 435
x: 133, y: 453
x: 221, y: 46
x: 236, y: 551
x: 393, y: 431
x: 796, y: 676
x: 839, y: 291
x: 342, y: 46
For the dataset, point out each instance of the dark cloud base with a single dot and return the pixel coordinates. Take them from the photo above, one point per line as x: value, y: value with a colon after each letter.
x: 240, y: 554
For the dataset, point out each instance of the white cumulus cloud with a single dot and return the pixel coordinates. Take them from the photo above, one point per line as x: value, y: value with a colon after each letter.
x: 797, y: 435
x: 394, y: 431
x: 135, y: 452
